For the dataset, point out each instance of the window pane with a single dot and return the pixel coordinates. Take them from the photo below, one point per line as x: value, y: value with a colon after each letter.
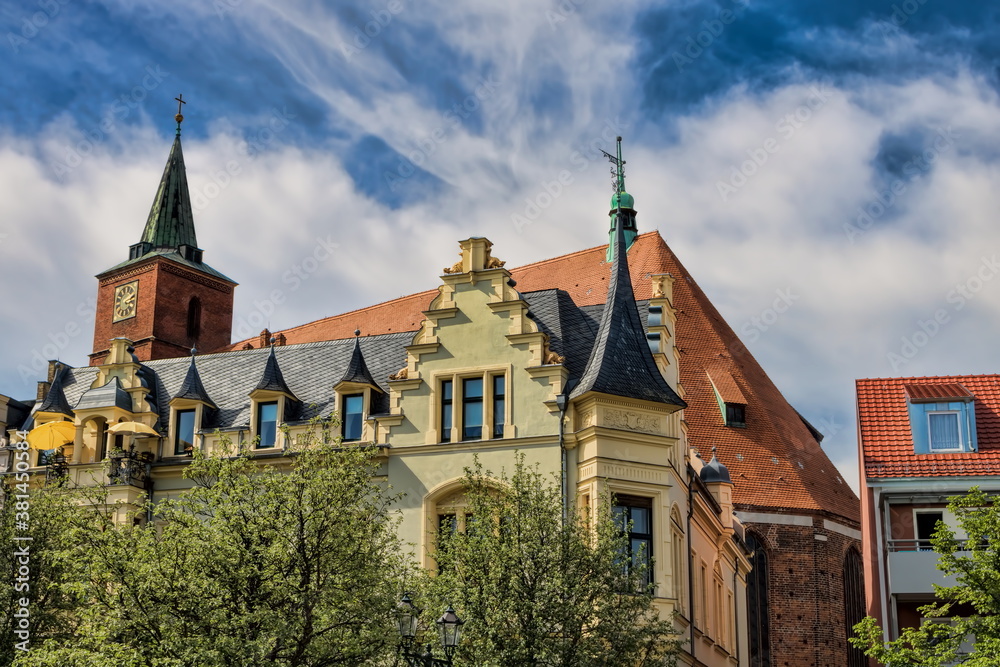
x: 944, y: 430
x: 446, y: 413
x: 499, y: 406
x: 352, y: 415
x: 640, y: 520
x: 184, y: 438
x: 472, y: 409
x: 267, y: 423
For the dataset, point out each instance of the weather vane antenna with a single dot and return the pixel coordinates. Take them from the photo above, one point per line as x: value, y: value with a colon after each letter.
x: 618, y: 172
x: 180, y: 117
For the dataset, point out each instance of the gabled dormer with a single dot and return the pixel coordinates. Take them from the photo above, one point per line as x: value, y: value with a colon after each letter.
x: 190, y: 409
x: 272, y: 403
x: 942, y: 418
x: 357, y: 397
x: 732, y: 402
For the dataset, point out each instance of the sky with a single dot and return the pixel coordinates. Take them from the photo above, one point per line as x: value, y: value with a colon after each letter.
x: 829, y: 172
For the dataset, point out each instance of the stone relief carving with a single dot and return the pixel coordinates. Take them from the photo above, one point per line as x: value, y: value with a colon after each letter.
x: 632, y: 421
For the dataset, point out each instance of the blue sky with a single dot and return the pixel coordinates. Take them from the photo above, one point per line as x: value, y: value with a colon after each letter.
x: 844, y: 157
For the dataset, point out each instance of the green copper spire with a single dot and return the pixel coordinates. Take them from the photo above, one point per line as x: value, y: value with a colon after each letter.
x: 622, y: 204
x: 171, y: 221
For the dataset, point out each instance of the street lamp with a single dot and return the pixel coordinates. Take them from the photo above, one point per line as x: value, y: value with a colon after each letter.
x: 449, y: 629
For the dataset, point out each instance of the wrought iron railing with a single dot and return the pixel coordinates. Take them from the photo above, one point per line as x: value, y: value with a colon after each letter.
x: 128, y: 468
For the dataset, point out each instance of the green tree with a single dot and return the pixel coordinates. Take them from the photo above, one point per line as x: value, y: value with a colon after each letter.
x: 256, y: 564
x: 39, y: 563
x: 537, y: 591
x: 975, y: 563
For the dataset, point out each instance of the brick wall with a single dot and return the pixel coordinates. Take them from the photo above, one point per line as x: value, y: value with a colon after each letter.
x: 806, y: 593
x: 159, y: 328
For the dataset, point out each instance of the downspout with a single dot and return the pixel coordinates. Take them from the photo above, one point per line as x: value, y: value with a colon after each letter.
x: 690, y: 471
x: 561, y: 403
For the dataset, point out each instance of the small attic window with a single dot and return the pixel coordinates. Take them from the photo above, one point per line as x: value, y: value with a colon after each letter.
x: 736, y: 415
x: 732, y: 401
x: 942, y: 418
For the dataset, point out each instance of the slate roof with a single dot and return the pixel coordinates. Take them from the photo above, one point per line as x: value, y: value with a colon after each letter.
x: 55, y: 400
x: 357, y: 369
x: 192, y: 387
x: 112, y: 394
x: 272, y: 379
x: 886, y: 440
x: 621, y: 363
x: 775, y: 462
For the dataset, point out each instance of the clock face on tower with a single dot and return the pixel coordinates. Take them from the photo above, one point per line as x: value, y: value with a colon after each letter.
x: 125, y: 300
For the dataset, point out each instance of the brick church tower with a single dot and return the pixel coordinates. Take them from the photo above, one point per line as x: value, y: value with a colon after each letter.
x: 164, y: 298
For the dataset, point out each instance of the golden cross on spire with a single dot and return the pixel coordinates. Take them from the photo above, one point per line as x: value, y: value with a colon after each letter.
x: 179, y: 117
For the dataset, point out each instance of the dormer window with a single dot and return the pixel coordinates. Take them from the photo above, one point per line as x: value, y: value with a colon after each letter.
x: 736, y: 415
x: 352, y: 411
x: 942, y: 418
x: 732, y: 402
x: 267, y: 424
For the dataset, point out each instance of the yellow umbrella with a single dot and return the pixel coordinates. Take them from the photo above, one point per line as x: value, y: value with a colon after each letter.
x: 51, y: 435
x: 132, y: 428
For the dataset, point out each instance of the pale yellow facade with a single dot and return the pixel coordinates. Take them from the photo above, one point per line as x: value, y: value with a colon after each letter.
x: 478, y: 326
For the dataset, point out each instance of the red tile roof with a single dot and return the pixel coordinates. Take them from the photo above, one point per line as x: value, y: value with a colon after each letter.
x: 932, y: 393
x: 886, y: 439
x: 775, y: 462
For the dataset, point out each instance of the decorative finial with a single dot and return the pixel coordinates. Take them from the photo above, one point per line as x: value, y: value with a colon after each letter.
x: 618, y: 172
x: 179, y: 117
x: 273, y: 340
x: 357, y: 332
x: 194, y: 351
x: 713, y: 450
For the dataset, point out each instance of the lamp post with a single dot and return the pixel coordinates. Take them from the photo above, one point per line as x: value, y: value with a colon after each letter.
x: 449, y: 629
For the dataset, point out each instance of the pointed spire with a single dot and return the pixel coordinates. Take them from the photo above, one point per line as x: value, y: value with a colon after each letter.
x: 622, y: 204
x: 171, y: 221
x: 621, y: 363
x: 55, y: 399
x: 272, y: 380
x: 192, y: 387
x: 357, y: 369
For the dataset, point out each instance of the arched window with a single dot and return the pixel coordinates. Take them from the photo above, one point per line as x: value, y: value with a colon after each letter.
x: 194, y: 319
x: 757, y: 613
x: 854, y: 603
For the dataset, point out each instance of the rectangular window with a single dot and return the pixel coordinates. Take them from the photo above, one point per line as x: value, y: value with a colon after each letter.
x: 472, y: 409
x: 736, y: 414
x: 926, y: 524
x: 944, y: 431
x: 267, y: 424
x: 499, y: 405
x: 634, y: 517
x: 352, y: 414
x: 184, y: 433
x: 446, y: 413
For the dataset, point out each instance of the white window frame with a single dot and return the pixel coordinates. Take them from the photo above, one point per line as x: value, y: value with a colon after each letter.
x: 958, y: 423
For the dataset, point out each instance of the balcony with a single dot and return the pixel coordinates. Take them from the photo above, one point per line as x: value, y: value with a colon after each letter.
x: 129, y: 468
x: 913, y: 568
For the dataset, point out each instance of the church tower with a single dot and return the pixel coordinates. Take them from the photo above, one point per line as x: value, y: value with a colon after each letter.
x: 164, y: 298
